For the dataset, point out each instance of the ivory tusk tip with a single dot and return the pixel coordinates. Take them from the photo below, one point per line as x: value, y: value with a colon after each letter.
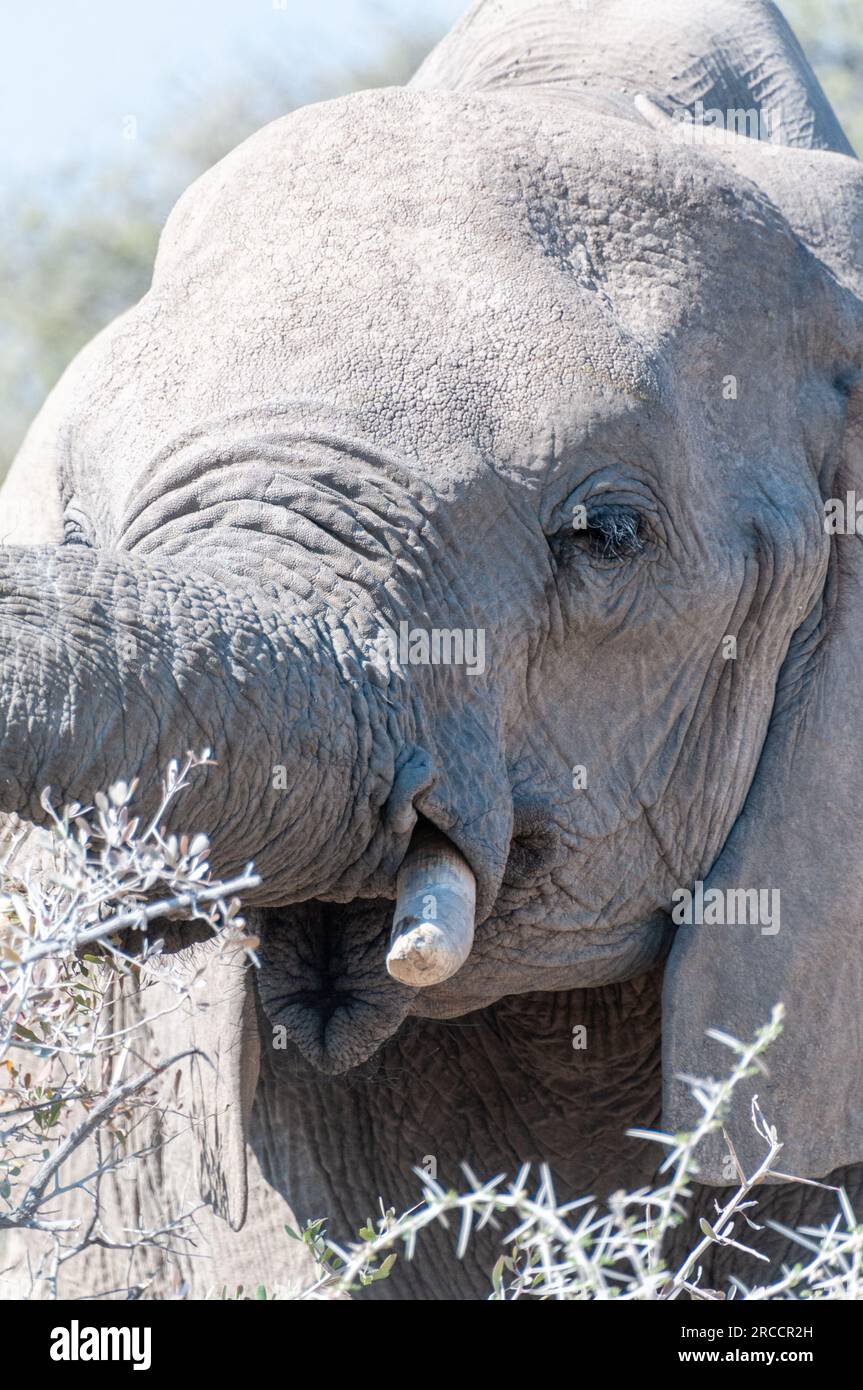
x: 435, y: 912
x: 423, y: 954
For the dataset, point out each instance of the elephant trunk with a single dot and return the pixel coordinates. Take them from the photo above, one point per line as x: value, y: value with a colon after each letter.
x: 111, y: 665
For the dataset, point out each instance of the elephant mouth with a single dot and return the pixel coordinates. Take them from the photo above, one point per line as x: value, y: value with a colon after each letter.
x: 323, y: 983
x: 336, y: 980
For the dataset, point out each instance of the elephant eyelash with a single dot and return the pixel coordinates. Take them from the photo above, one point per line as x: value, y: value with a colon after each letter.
x: 609, y: 534
x: 615, y: 533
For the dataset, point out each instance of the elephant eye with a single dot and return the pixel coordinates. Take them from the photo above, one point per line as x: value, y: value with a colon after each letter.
x: 608, y: 533
x: 73, y: 532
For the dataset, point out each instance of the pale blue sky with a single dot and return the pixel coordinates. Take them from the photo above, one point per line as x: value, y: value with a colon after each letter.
x: 73, y: 69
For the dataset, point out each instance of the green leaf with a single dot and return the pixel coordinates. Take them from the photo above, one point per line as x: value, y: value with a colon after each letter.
x: 383, y: 1272
x: 22, y: 1032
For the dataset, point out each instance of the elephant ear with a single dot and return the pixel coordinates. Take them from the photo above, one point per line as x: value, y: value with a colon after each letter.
x: 800, y: 833
x: 220, y: 1024
x: 818, y: 192
x: 801, y: 829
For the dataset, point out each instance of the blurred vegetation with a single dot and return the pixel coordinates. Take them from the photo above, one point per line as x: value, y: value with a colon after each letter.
x: 76, y: 260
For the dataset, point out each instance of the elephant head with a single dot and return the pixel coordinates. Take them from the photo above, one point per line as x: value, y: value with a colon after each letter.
x: 461, y: 482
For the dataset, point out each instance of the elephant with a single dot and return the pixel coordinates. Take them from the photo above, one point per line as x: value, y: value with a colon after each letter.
x: 461, y: 481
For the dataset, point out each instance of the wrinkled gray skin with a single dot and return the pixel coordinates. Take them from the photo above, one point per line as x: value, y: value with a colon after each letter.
x: 391, y: 342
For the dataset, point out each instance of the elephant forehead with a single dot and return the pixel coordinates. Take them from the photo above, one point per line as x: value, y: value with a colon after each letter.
x: 475, y: 223
x: 455, y: 264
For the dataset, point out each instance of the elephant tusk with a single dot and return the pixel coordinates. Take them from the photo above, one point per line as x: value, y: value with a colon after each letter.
x: 651, y: 113
x: 435, y: 912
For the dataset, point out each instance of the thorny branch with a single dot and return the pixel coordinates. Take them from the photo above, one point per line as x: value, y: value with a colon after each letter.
x: 62, y: 960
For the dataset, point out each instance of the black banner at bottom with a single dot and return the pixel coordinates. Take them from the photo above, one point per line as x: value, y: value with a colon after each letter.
x: 181, y: 1337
